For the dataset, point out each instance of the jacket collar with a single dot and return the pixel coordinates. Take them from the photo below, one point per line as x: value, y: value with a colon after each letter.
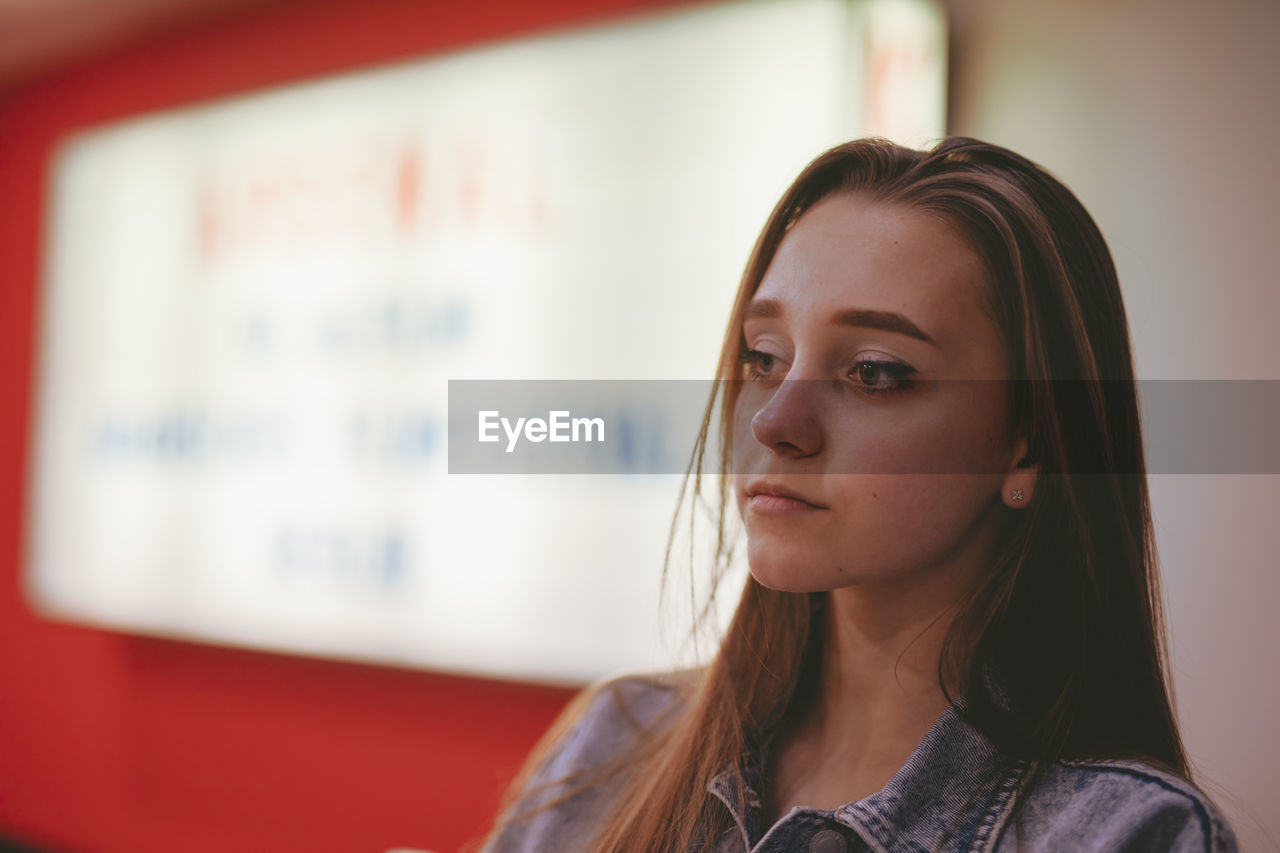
x: 951, y: 781
x: 944, y: 790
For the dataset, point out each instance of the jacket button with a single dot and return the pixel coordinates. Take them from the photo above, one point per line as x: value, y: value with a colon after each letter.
x: 827, y: 841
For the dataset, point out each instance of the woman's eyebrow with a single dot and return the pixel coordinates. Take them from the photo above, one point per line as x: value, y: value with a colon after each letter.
x: 763, y: 309
x: 884, y: 320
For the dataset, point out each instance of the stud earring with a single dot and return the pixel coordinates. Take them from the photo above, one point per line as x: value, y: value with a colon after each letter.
x: 1016, y: 494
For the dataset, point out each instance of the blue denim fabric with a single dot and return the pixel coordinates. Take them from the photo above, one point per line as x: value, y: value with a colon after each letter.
x: 1079, y: 806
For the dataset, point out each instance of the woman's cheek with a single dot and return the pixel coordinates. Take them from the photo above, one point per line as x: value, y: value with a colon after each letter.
x: 912, y: 448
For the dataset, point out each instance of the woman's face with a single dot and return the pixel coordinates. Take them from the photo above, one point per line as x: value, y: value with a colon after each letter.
x: 873, y: 307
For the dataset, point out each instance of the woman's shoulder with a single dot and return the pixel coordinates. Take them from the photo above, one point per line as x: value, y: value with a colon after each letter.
x: 1121, y: 804
x: 572, y: 786
x: 618, y: 710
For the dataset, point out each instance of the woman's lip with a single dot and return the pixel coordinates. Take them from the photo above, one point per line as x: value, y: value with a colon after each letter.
x: 764, y: 488
x: 779, y: 505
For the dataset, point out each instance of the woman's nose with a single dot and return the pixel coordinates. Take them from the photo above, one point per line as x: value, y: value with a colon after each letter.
x: 787, y: 423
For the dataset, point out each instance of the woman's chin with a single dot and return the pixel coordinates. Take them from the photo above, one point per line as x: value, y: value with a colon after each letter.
x: 788, y: 577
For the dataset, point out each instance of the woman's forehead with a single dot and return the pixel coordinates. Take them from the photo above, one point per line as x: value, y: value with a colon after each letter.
x: 850, y: 252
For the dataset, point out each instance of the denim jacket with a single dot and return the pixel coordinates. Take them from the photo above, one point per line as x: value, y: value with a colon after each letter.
x: 1079, y: 806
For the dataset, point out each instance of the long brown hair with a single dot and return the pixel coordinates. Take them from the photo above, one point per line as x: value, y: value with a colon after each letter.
x: 1069, y: 611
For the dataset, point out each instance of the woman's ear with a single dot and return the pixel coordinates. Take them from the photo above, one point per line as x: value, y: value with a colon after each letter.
x: 1020, y: 482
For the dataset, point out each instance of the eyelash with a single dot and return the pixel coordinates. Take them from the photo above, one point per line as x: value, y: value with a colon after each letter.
x: 752, y: 359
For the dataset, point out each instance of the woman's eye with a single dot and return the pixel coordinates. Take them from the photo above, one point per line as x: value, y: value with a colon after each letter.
x: 758, y: 366
x: 882, y: 377
x: 874, y: 378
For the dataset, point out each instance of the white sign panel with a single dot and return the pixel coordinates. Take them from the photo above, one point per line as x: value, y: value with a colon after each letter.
x: 252, y: 309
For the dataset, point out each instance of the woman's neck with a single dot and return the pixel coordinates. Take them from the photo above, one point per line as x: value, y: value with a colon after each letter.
x: 878, y: 675
x: 871, y: 698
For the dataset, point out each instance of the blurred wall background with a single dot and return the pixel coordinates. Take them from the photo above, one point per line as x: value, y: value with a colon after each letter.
x: 1160, y: 116
x: 111, y: 742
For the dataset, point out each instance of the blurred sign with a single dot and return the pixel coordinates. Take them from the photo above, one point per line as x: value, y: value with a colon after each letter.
x: 252, y: 310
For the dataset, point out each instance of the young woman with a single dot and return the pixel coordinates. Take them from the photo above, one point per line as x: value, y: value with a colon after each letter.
x: 950, y: 638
